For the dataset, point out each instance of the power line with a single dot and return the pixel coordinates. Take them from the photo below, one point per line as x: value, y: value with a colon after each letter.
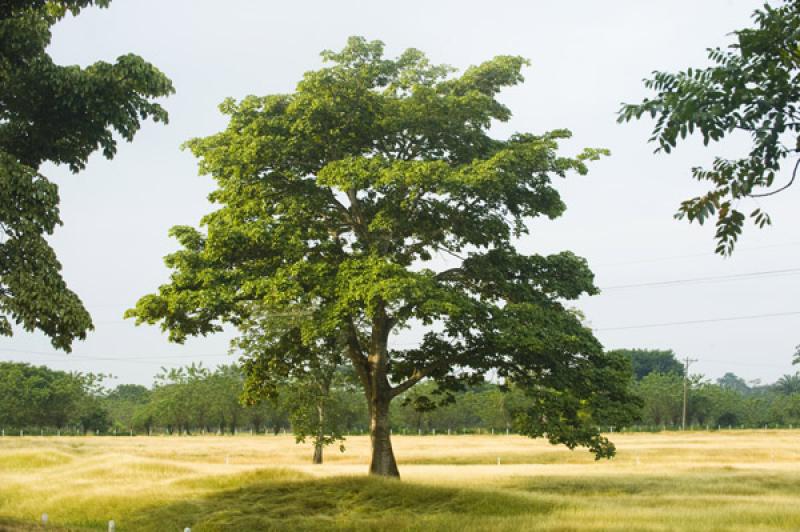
x: 731, y: 277
x: 690, y: 322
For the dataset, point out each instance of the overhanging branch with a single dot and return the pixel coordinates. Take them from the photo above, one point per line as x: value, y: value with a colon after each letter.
x: 784, y: 187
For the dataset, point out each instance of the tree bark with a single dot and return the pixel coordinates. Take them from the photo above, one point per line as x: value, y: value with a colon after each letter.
x: 320, y: 433
x: 379, y: 395
x: 383, y: 462
x: 317, y: 452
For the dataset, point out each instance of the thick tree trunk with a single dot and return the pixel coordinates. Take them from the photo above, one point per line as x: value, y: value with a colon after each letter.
x: 383, y: 462
x: 372, y: 370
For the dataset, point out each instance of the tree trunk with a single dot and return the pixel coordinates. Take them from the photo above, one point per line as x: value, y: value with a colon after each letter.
x: 383, y: 462
x: 317, y: 452
x: 320, y: 433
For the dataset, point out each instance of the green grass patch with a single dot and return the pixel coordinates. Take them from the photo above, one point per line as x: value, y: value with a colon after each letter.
x: 343, y: 503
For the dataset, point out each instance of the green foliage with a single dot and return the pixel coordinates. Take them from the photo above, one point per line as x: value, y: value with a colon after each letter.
x: 53, y: 8
x: 483, y: 406
x: 57, y: 114
x: 646, y: 361
x: 730, y: 402
x: 788, y: 384
x: 123, y: 404
x: 599, y: 396
x: 306, y: 374
x: 662, y: 395
x: 334, y: 199
x: 196, y: 398
x: 733, y: 382
x: 36, y: 396
x: 753, y: 88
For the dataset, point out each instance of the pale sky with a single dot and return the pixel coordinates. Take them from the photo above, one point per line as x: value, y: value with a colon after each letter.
x: 587, y: 57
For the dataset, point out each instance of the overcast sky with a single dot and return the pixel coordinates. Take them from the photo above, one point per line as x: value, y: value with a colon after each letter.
x: 587, y: 57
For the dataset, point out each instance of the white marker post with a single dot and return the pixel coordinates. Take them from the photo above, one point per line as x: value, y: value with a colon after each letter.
x: 44, y: 519
x: 112, y: 526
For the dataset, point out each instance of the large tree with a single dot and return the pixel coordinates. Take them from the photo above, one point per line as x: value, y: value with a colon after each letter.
x: 57, y: 114
x: 753, y: 88
x: 338, y: 204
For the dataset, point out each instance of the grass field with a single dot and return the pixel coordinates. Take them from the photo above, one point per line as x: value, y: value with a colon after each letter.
x: 740, y: 480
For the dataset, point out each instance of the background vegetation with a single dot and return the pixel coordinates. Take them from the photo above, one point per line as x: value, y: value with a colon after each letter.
x: 195, y: 399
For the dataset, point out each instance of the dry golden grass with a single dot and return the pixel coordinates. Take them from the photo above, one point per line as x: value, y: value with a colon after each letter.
x: 740, y: 480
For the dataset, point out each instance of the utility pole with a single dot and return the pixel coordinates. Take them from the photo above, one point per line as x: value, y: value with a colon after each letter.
x: 686, y: 361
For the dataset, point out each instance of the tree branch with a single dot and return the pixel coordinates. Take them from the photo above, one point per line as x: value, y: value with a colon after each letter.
x: 415, y: 377
x: 442, y: 276
x: 411, y: 381
x: 453, y: 253
x: 784, y: 187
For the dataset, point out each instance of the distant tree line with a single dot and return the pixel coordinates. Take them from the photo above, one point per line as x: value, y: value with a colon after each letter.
x: 195, y: 399
x: 727, y: 402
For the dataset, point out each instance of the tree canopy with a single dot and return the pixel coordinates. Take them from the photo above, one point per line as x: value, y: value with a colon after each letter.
x: 646, y: 361
x: 373, y: 199
x: 36, y: 396
x: 57, y: 114
x: 753, y: 87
